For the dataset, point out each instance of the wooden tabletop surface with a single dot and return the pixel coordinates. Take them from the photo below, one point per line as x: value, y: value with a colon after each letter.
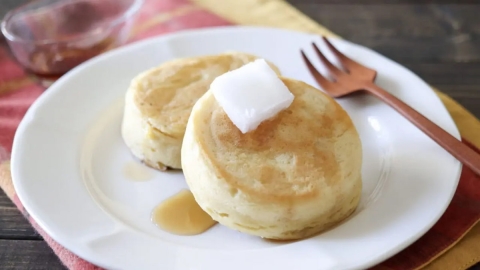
x: 437, y: 39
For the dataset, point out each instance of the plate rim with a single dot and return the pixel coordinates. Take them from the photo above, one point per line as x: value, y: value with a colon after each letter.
x: 29, y: 115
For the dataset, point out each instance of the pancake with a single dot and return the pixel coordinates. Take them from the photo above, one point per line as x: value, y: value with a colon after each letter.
x: 297, y: 174
x: 159, y: 101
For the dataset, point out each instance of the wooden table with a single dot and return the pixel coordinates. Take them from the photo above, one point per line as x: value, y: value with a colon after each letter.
x: 440, y: 42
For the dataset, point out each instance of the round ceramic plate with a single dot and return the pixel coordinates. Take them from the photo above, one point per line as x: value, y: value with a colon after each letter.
x: 69, y: 163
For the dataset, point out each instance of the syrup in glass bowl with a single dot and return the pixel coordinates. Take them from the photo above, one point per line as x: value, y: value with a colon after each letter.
x: 50, y: 37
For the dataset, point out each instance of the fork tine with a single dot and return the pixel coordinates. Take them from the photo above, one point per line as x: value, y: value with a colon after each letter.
x: 324, y: 82
x: 332, y: 69
x: 346, y: 62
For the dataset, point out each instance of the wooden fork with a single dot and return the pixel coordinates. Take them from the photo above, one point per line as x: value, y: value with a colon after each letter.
x: 354, y: 77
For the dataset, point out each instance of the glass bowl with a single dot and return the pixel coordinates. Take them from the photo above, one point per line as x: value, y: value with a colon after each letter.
x: 50, y: 37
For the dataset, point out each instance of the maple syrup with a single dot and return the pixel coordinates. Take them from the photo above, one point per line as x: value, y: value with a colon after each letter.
x: 180, y: 214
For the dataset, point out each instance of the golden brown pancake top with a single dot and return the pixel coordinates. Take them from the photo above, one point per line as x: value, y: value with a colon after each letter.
x: 287, y: 158
x: 166, y: 94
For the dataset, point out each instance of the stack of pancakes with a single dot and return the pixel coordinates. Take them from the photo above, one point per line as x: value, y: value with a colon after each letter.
x: 297, y: 174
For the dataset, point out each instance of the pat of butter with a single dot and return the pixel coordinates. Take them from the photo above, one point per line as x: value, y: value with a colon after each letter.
x: 251, y: 94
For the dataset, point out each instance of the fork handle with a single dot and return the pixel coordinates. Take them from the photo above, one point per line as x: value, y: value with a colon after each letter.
x: 456, y: 148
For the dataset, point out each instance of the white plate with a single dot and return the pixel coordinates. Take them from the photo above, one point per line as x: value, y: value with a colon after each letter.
x: 68, y: 159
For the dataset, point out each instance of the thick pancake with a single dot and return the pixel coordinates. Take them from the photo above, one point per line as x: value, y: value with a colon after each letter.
x: 295, y: 175
x: 159, y: 101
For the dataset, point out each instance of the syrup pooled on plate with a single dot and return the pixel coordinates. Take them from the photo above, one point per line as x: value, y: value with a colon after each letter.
x: 137, y: 172
x: 180, y: 214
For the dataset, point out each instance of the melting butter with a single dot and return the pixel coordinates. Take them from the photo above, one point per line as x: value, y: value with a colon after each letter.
x: 180, y: 214
x: 137, y: 172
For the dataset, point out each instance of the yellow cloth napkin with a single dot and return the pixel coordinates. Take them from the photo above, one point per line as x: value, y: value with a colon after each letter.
x: 280, y: 14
